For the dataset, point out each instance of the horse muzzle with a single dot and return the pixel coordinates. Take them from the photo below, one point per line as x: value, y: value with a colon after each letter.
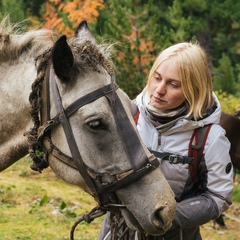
x: 155, y: 224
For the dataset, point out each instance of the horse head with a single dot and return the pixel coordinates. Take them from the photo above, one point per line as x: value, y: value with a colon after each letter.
x: 89, y: 138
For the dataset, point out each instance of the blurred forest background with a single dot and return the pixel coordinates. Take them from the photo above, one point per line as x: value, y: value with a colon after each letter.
x: 38, y: 207
x: 142, y: 28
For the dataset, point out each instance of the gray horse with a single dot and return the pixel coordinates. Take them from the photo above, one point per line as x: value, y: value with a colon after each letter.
x: 80, y: 124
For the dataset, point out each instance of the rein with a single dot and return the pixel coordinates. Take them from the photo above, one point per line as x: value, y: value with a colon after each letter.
x: 103, y: 194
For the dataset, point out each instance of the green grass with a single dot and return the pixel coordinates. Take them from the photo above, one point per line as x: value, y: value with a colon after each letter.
x: 236, y: 194
x: 41, y: 206
x: 37, y: 206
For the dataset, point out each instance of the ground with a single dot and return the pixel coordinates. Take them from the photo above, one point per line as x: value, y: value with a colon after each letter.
x: 36, y: 206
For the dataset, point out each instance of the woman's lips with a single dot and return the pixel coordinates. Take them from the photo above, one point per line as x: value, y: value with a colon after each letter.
x: 156, y: 99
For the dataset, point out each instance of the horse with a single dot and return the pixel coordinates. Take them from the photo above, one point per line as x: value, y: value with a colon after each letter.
x: 231, y: 124
x: 61, y: 105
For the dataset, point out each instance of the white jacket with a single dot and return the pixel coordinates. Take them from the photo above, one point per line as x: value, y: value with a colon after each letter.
x: 215, y: 168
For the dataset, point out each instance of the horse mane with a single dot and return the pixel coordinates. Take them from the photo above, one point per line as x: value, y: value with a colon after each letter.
x: 16, y: 43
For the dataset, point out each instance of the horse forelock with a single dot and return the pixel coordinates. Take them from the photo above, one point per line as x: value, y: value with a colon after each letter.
x: 14, y: 42
x: 89, y: 56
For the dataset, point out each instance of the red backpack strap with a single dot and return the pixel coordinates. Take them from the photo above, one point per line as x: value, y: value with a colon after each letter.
x: 196, y: 147
x: 135, y: 111
x: 136, y: 116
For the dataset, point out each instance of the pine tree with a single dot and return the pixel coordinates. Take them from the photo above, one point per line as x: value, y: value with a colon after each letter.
x: 224, y: 79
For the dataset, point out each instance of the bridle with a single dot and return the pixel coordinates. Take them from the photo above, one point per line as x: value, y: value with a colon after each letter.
x: 140, y: 163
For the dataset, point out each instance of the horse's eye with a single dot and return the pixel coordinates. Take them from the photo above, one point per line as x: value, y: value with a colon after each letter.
x: 96, y: 125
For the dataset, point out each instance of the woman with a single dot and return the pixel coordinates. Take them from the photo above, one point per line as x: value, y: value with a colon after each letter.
x: 178, y: 99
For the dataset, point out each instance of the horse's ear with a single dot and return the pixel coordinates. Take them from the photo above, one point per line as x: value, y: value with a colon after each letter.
x: 83, y: 33
x: 62, y: 58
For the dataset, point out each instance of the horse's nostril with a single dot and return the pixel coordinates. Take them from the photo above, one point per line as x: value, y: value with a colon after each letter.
x: 157, y: 218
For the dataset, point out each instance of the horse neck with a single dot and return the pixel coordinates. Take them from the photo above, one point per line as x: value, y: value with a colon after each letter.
x: 15, y: 87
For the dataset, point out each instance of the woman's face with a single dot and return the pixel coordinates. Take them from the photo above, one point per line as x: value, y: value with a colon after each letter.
x: 165, y: 88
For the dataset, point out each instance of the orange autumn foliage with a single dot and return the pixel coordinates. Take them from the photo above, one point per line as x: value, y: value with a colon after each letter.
x: 143, y: 47
x: 64, y: 16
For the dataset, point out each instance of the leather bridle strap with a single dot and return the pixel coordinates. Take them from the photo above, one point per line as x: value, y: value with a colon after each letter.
x: 90, y: 97
x: 152, y: 165
x: 70, y: 137
x: 128, y: 134
x: 132, y: 146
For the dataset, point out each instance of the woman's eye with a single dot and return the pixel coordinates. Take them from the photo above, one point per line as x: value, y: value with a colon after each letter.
x: 157, y: 77
x: 96, y: 125
x: 174, y: 85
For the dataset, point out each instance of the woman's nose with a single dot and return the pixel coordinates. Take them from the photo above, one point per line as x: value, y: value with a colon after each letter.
x: 161, y: 88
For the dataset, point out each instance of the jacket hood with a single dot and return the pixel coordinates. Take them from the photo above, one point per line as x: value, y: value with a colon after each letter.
x: 185, y: 124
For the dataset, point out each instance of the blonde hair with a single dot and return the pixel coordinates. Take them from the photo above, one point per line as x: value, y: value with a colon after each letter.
x: 191, y: 64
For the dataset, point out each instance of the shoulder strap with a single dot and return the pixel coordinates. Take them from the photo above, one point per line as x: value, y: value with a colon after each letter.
x: 196, y: 147
x: 136, y: 116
